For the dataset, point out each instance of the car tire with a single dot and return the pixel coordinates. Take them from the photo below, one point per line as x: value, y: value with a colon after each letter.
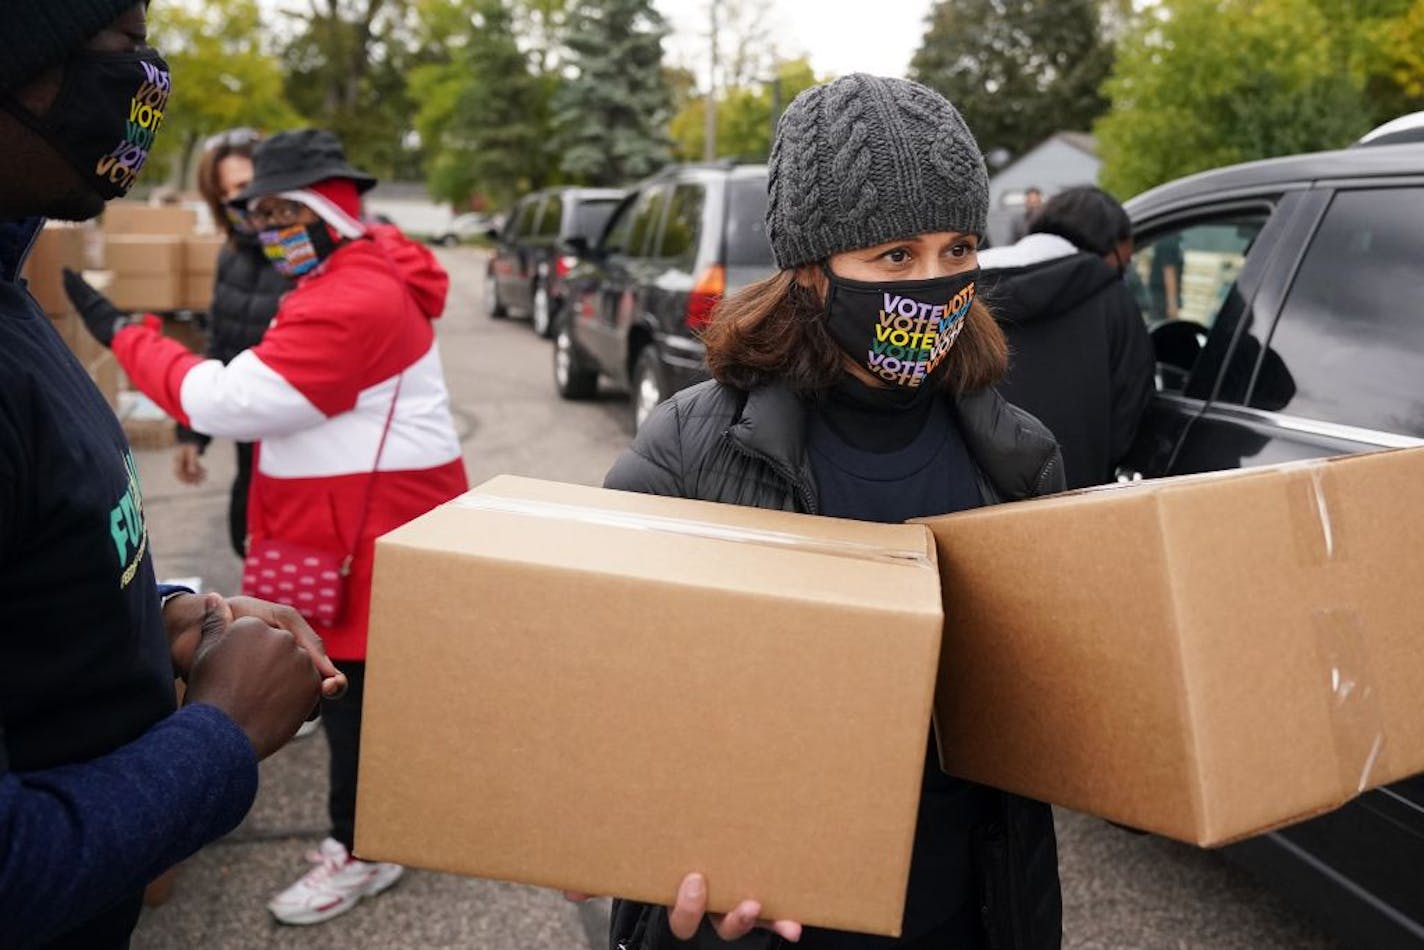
x: 648, y: 388
x: 493, y: 305
x: 541, y: 316
x: 572, y: 377
x: 449, y: 240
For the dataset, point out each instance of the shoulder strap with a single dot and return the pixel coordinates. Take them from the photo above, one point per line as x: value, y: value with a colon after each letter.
x: 371, y: 482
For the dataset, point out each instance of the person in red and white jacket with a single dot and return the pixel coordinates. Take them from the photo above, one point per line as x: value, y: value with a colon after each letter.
x: 352, y: 339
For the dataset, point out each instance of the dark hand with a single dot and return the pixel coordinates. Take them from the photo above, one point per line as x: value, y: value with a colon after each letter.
x: 333, y: 681
x: 260, y: 676
x: 185, y: 614
x: 99, y: 314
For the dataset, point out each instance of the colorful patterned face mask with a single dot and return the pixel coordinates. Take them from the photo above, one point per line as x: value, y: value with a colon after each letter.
x: 299, y: 249
x: 900, y: 331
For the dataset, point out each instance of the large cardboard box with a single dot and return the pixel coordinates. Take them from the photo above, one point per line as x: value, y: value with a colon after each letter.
x: 148, y: 270
x: 1205, y: 657
x: 56, y: 247
x: 200, y: 267
x: 132, y: 217
x: 602, y: 691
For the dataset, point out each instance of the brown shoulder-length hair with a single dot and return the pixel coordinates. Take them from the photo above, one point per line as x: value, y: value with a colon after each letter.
x: 224, y: 145
x: 775, y: 331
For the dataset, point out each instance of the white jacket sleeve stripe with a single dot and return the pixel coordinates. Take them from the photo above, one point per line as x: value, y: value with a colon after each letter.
x: 245, y: 400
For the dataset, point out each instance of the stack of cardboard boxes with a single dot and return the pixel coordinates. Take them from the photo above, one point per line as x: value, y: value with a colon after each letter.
x: 77, y: 247
x: 146, y: 260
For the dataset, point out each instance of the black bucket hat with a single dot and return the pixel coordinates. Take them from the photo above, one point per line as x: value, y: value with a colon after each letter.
x: 289, y: 161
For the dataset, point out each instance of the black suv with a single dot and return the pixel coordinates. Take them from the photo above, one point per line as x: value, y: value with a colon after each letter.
x: 676, y: 244
x: 532, y: 257
x: 1285, y: 299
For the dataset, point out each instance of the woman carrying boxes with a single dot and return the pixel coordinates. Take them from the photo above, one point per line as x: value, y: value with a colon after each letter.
x: 858, y: 383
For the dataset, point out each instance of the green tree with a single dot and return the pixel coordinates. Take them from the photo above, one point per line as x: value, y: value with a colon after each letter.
x: 744, y: 115
x: 223, y: 78
x: 346, y: 64
x: 479, y: 113
x: 1017, y: 70
x: 1204, y: 83
x: 1394, y: 57
x: 612, y: 113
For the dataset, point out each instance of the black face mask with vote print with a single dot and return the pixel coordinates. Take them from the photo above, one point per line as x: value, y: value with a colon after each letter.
x: 106, y: 117
x: 900, y: 332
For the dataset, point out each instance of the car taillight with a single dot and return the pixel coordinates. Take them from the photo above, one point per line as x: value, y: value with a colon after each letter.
x: 710, y: 287
x: 563, y: 264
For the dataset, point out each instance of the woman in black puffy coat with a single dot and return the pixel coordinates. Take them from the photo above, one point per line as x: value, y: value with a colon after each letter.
x: 245, y: 298
x: 858, y: 382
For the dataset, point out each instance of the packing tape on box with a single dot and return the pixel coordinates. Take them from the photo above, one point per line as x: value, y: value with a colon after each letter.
x: 701, y: 529
x: 1356, y: 722
x: 1319, y: 538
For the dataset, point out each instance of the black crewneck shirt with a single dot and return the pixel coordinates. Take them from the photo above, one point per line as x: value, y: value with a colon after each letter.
x: 874, y: 463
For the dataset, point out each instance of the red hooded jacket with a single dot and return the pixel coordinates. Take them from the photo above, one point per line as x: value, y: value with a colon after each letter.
x: 316, y: 392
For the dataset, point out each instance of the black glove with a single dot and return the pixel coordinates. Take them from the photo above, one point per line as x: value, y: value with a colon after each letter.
x: 100, y: 315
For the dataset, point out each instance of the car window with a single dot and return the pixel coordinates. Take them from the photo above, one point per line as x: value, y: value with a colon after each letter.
x: 616, y: 239
x: 1351, y: 330
x: 683, y: 226
x: 646, y: 218
x: 524, y: 218
x: 591, y: 217
x: 551, y: 219
x: 1184, y: 278
x: 746, y: 241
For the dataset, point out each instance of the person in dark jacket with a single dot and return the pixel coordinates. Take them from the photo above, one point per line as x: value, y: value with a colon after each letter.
x: 857, y: 382
x: 245, y: 299
x: 103, y: 785
x: 1080, y: 357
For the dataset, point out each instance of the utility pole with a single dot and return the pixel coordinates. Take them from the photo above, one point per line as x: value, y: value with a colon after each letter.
x: 775, y: 101
x: 709, y: 144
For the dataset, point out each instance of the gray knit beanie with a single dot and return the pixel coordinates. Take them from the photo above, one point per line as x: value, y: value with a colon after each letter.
x: 35, y: 34
x: 864, y: 160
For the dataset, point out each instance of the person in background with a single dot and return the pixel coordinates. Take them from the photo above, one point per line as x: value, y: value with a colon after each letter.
x: 877, y: 189
x: 347, y: 395
x: 1164, y: 279
x: 1080, y: 357
x: 103, y: 785
x: 245, y: 298
x: 1033, y: 201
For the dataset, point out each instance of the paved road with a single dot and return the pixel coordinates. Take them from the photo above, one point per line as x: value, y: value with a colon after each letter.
x: 1120, y: 891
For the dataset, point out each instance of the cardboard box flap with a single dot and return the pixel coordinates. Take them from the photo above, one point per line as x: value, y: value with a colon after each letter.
x: 919, y: 556
x: 685, y: 543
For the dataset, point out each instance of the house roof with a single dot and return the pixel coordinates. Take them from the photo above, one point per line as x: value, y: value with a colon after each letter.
x: 1082, y: 141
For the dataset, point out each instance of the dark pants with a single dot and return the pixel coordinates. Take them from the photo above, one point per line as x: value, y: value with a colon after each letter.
x: 237, y: 506
x: 341, y: 721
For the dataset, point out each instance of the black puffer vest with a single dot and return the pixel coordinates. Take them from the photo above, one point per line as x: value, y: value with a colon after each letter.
x: 716, y: 443
x: 245, y: 298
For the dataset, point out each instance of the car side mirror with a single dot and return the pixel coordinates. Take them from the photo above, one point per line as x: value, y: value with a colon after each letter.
x: 578, y: 246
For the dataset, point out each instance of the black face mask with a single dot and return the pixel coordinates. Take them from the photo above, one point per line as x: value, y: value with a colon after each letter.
x: 900, y: 332
x: 106, y: 116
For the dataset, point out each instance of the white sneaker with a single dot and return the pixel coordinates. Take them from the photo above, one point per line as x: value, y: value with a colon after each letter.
x: 334, y: 886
